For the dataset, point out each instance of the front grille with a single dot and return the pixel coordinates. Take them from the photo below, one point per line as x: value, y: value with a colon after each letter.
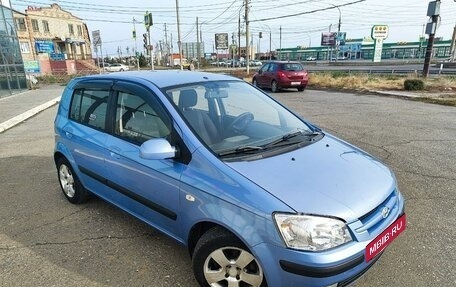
x: 371, y: 220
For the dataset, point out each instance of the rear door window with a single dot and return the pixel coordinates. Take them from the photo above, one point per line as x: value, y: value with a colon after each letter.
x: 89, y: 107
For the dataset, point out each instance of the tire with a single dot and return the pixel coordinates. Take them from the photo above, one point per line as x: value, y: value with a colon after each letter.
x: 254, y: 82
x: 229, y: 249
x: 274, y: 87
x: 70, y: 184
x: 300, y: 89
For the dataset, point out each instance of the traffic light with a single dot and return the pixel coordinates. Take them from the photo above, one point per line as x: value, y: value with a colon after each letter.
x: 134, y: 34
x: 148, y: 20
x: 145, y: 41
x: 261, y: 35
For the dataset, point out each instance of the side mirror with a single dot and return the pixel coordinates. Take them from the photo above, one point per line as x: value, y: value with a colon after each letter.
x: 157, y: 149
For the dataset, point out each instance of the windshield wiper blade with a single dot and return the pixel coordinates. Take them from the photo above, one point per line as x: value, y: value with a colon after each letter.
x: 288, y: 136
x: 241, y: 149
x: 284, y: 138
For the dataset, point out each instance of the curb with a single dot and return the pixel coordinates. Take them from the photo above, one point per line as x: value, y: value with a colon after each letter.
x: 400, y: 95
x: 28, y: 114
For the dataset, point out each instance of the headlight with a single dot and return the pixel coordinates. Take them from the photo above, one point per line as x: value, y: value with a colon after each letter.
x: 311, y: 233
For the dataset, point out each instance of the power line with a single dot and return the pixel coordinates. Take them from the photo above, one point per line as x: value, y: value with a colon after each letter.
x: 308, y: 12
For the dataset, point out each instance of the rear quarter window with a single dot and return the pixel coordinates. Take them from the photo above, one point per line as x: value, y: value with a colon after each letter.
x: 89, y: 107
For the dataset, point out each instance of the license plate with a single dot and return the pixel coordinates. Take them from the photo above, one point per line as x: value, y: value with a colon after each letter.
x: 295, y: 83
x: 380, y: 242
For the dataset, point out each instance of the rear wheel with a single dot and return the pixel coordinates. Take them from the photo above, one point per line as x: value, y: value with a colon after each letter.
x: 70, y: 184
x: 274, y: 87
x: 220, y: 259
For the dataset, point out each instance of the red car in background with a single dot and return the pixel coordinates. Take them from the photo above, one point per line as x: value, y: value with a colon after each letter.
x: 281, y: 74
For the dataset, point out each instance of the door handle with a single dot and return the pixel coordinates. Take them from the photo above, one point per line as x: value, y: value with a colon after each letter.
x: 115, y: 155
x: 68, y: 135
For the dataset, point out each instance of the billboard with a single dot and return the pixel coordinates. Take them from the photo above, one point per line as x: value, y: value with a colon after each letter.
x: 328, y: 38
x: 341, y: 37
x: 221, y: 41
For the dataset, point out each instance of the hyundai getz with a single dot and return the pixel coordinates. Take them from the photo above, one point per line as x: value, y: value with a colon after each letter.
x: 258, y: 195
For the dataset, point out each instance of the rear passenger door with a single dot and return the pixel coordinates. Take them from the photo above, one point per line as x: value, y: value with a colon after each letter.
x: 85, y: 133
x: 261, y: 80
x: 148, y: 189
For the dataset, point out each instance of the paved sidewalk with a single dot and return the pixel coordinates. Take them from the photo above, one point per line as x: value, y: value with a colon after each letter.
x: 19, y: 107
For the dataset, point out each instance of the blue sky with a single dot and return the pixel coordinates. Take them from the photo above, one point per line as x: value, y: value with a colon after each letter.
x: 114, y: 19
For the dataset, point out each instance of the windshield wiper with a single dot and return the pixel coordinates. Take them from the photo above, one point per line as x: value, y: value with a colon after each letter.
x: 288, y: 136
x: 241, y: 149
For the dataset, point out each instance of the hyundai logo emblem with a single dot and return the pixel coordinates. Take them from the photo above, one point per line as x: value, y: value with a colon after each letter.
x: 385, y: 212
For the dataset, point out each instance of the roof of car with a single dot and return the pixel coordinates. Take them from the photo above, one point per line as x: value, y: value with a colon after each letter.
x: 284, y: 62
x: 165, y: 78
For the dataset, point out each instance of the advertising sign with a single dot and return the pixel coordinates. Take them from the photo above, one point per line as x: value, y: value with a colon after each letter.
x: 96, y: 38
x: 379, y: 34
x: 57, y: 56
x: 341, y: 37
x: 44, y: 46
x: 221, y: 41
x: 328, y: 38
x: 32, y: 66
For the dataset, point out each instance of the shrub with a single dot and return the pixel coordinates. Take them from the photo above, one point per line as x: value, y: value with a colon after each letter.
x: 413, y: 85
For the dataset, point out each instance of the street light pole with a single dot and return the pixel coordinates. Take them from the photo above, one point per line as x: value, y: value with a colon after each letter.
x: 338, y: 31
x: 328, y: 55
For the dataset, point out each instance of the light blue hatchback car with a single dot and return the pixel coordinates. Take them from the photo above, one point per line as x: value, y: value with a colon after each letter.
x: 259, y: 196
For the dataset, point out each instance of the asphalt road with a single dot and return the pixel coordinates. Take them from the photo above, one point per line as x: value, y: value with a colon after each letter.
x: 45, y: 241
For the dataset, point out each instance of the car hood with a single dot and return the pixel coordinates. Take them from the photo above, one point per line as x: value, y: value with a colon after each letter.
x: 329, y: 177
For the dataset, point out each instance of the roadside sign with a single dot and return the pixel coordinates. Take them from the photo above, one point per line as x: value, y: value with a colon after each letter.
x: 221, y: 41
x: 328, y: 38
x: 379, y: 34
x: 32, y: 66
x: 96, y: 38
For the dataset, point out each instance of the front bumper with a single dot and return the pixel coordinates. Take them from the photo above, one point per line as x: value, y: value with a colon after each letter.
x: 289, y: 268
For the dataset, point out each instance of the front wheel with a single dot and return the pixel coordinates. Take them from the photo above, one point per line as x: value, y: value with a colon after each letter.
x: 300, y: 89
x: 220, y: 259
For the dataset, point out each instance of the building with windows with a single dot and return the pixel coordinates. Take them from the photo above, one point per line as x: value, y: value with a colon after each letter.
x: 364, y: 49
x: 12, y: 74
x: 56, y: 39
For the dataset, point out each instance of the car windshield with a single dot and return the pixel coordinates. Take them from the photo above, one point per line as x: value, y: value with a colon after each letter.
x: 292, y: 67
x: 232, y: 117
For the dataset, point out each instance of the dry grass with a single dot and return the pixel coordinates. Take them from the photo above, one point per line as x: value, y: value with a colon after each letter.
x: 366, y: 82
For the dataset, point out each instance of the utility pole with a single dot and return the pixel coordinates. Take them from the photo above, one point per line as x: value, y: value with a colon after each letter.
x: 280, y: 44
x: 239, y: 38
x: 136, y: 44
x: 179, y: 43
x: 270, y: 44
x: 453, y: 45
x: 197, y: 44
x: 247, y: 40
x: 167, y: 45
x: 431, y: 27
x: 338, y: 34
